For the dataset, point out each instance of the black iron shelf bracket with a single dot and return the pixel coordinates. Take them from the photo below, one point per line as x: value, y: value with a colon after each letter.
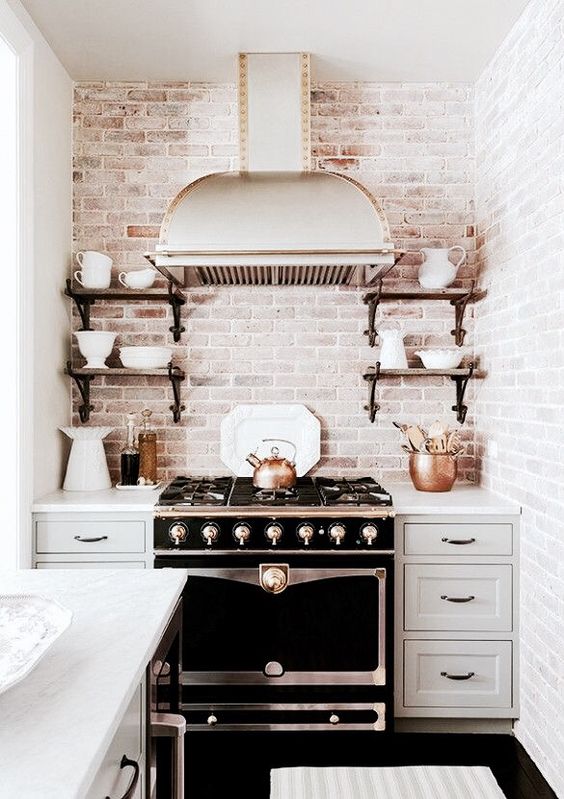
x: 372, y: 376
x: 461, y: 383
x: 83, y: 305
x: 460, y: 304
x: 83, y: 385
x: 176, y: 376
x: 372, y: 300
x: 176, y: 301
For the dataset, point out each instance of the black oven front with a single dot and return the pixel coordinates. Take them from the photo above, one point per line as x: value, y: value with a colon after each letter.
x: 286, y: 640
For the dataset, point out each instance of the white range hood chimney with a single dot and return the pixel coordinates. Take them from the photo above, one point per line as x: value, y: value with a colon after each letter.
x: 274, y: 221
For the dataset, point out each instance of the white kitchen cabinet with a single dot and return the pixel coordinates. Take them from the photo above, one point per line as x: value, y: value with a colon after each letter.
x: 456, y: 620
x: 113, y: 780
x: 92, y: 539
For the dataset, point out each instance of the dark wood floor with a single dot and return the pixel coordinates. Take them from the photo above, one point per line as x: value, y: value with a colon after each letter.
x: 226, y: 764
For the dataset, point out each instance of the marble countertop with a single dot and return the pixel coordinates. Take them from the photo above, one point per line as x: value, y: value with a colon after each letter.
x: 464, y: 498
x: 57, y: 724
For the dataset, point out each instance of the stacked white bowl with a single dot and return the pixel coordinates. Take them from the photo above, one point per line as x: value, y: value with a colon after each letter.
x: 145, y: 357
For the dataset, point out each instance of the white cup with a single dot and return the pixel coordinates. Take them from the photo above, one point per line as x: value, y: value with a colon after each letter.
x: 137, y: 278
x: 95, y: 270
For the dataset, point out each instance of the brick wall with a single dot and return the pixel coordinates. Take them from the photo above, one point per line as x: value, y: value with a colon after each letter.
x: 519, y: 333
x: 136, y: 145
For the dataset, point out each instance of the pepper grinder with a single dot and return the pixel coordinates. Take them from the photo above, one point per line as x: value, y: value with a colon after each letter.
x: 147, y: 442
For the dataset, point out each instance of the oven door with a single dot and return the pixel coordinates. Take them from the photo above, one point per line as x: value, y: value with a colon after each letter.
x: 279, y: 623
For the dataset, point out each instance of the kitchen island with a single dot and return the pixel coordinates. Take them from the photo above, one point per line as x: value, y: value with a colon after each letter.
x: 57, y: 724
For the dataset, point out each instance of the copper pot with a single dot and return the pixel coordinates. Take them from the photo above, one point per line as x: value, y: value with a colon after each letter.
x: 274, y: 472
x: 432, y: 471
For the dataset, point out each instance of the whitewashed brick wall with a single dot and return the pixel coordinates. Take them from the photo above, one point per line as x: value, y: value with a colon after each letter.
x: 520, y: 336
x: 136, y: 145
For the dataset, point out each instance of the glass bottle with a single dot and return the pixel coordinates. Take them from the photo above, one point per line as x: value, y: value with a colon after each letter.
x: 147, y: 442
x: 130, y: 455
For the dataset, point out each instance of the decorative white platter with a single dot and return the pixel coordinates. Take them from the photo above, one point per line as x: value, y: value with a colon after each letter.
x: 29, y: 625
x: 245, y: 427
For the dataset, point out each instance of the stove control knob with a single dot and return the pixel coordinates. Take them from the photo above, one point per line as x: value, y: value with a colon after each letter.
x: 305, y: 533
x: 242, y: 533
x: 210, y: 533
x: 273, y: 532
x: 178, y: 533
x: 334, y: 719
x: 212, y: 720
x: 337, y: 532
x: 369, y: 533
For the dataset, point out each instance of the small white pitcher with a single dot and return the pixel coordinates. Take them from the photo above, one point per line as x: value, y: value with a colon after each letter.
x: 437, y: 271
x: 392, y: 351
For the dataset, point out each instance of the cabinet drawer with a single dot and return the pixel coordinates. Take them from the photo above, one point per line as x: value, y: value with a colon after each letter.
x: 468, y: 597
x: 483, y: 669
x: 111, y: 780
x: 89, y: 536
x: 458, y: 539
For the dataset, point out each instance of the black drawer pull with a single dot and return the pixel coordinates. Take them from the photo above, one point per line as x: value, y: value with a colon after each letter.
x: 125, y: 762
x: 458, y: 598
x: 457, y: 676
x: 90, y: 540
x: 458, y: 541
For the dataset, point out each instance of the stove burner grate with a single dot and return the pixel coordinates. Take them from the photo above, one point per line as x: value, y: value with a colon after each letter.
x: 197, y: 491
x: 358, y: 491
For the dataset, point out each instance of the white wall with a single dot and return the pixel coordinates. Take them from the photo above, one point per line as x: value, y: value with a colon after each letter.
x: 519, y: 334
x: 52, y: 217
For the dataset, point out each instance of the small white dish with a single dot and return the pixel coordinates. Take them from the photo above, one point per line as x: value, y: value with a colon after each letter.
x: 150, y: 487
x: 137, y: 278
x: 440, y: 359
x: 29, y: 625
x: 145, y: 357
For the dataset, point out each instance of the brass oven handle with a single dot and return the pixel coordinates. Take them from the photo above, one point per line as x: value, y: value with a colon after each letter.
x: 458, y: 541
x: 457, y: 676
x: 125, y: 762
x: 90, y: 540
x: 458, y: 598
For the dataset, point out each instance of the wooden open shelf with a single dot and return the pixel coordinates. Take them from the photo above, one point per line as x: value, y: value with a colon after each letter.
x: 83, y: 378
x: 85, y: 298
x: 459, y: 298
x: 459, y: 376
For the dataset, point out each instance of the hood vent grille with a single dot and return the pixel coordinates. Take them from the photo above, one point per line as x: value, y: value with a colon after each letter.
x: 275, y: 275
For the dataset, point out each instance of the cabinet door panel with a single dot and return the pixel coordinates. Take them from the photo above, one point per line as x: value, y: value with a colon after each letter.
x: 459, y: 540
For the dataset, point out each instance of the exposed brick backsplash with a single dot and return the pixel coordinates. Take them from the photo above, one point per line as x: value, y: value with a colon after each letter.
x: 137, y: 144
x: 519, y: 336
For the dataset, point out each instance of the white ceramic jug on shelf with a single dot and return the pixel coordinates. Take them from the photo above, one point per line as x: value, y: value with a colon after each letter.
x: 437, y: 271
x: 392, y: 351
x: 87, y: 468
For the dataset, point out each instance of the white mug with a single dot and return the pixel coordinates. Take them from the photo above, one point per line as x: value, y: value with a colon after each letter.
x: 95, y: 270
x: 137, y: 278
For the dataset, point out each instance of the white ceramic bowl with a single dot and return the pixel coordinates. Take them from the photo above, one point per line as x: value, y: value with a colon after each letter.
x: 145, y: 357
x: 440, y: 359
x: 95, y: 346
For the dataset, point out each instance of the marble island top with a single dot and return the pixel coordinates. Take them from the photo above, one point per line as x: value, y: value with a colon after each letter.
x: 56, y: 725
x: 464, y: 498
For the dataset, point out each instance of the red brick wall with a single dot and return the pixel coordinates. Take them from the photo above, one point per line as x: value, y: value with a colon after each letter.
x: 136, y: 145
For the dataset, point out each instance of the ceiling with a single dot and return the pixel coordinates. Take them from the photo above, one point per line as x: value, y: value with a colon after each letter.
x: 197, y: 40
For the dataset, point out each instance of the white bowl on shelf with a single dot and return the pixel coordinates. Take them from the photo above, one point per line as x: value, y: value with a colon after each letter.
x: 440, y: 359
x: 145, y: 357
x: 95, y: 346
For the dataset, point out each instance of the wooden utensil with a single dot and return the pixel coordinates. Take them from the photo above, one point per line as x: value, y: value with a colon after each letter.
x: 437, y: 429
x: 415, y: 436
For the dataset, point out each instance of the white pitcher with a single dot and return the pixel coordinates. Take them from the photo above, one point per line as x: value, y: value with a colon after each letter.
x: 87, y: 468
x: 392, y: 351
x: 437, y: 271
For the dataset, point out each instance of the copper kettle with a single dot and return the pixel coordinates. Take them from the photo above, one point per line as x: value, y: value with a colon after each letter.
x: 274, y: 472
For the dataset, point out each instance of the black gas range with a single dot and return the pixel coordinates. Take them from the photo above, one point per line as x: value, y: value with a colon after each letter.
x: 288, y: 602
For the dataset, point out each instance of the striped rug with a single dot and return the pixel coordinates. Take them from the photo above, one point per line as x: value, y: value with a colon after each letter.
x: 405, y: 782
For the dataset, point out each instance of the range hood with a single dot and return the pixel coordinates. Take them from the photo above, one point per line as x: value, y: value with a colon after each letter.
x: 275, y: 222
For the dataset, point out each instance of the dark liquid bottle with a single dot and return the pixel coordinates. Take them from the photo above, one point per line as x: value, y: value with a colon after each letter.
x: 129, y: 468
x: 130, y: 455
